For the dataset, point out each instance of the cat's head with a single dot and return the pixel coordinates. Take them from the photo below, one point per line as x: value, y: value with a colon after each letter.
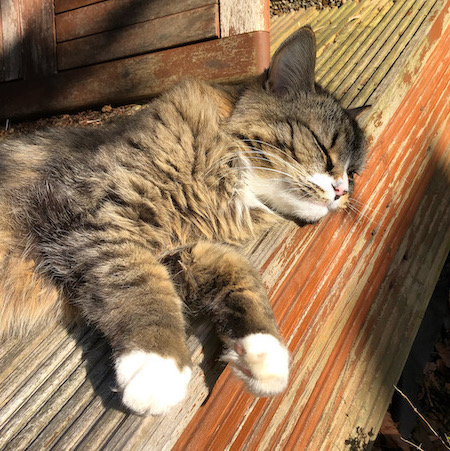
x: 300, y: 147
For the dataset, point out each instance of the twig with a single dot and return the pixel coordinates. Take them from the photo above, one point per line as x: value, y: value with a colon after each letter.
x: 419, y: 447
x: 422, y: 417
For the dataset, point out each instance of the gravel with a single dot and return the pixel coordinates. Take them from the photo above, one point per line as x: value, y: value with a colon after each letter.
x: 284, y: 6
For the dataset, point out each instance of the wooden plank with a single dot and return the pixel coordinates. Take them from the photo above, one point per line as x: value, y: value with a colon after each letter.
x: 229, y: 59
x: 355, y: 37
x: 39, y: 52
x: 113, y: 14
x: 323, y: 305
x: 12, y: 39
x: 243, y: 16
x: 2, y: 61
x: 67, y: 5
x: 407, y: 22
x: 186, y: 27
x: 348, y: 292
x: 346, y: 355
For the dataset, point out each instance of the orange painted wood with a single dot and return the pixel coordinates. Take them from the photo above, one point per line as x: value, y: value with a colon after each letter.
x: 113, y: 14
x: 228, y: 59
x: 329, y: 305
x: 186, y: 27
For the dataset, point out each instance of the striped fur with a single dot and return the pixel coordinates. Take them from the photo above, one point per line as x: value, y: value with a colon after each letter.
x: 132, y: 221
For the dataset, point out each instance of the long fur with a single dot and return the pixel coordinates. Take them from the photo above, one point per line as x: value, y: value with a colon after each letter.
x: 130, y: 223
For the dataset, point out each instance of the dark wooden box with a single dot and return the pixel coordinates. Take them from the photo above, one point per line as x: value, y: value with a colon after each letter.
x: 70, y: 54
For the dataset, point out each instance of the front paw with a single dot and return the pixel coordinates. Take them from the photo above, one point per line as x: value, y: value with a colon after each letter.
x: 150, y: 384
x: 262, y: 362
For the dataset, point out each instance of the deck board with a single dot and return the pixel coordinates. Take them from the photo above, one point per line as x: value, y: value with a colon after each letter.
x: 325, y: 306
x: 348, y: 293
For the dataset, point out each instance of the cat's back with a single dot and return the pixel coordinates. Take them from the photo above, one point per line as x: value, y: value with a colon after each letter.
x: 170, y: 127
x: 161, y: 154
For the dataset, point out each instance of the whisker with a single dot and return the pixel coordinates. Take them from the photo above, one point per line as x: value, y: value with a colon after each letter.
x: 223, y: 159
x: 270, y: 145
x: 361, y: 214
x: 364, y: 206
x: 255, y: 151
x: 251, y: 150
x: 262, y: 168
x: 290, y: 176
x: 296, y: 168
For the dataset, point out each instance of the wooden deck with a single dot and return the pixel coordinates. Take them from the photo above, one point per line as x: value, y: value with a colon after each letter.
x: 348, y: 293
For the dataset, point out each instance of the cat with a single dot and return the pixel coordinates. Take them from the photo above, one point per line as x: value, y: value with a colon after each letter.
x: 136, y: 223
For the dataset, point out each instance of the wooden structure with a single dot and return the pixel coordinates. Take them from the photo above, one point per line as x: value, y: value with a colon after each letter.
x: 69, y: 54
x: 348, y: 293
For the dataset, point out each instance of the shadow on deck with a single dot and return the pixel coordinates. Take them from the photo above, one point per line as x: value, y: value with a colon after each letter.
x: 348, y: 293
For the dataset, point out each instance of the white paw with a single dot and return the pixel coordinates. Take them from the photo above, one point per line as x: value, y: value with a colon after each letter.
x: 262, y: 362
x: 150, y: 384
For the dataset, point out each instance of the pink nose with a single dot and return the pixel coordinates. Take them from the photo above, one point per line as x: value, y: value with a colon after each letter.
x: 340, y: 188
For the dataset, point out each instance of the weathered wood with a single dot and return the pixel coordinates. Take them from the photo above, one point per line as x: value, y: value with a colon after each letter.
x: 113, y: 14
x: 345, y: 326
x: 405, y: 24
x: 186, y: 27
x: 348, y: 293
x: 12, y: 39
x: 243, y: 16
x: 39, y: 52
x: 67, y: 5
x: 230, y: 59
x: 84, y: 29
x: 2, y: 61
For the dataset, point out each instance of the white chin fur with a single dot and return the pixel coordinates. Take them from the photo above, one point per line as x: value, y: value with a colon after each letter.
x: 150, y: 384
x: 310, y: 211
x: 262, y: 362
x: 275, y: 195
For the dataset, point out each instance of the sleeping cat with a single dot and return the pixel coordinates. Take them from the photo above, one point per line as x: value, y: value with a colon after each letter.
x: 134, y: 222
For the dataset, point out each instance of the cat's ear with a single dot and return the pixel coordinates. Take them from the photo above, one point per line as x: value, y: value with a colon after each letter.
x: 292, y: 67
x: 355, y: 112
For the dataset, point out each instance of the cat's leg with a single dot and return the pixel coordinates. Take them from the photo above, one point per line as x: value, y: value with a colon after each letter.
x: 130, y: 297
x: 221, y: 283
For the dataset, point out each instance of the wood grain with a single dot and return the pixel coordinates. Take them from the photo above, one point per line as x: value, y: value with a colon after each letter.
x: 39, y: 51
x: 229, y: 59
x: 186, y: 27
x: 12, y: 39
x: 67, y: 5
x: 243, y: 16
x: 113, y: 14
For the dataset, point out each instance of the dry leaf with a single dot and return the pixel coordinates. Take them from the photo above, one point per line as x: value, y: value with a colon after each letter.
x: 391, y: 434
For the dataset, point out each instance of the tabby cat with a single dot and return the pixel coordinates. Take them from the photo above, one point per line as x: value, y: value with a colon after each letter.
x: 134, y: 223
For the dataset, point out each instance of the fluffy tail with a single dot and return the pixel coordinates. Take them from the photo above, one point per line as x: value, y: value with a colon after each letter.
x: 27, y: 300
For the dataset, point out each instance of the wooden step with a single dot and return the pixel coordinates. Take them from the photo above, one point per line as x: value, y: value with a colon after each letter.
x: 348, y: 293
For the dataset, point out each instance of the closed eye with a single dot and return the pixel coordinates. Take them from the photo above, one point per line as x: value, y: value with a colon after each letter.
x: 351, y: 173
x: 329, y: 163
